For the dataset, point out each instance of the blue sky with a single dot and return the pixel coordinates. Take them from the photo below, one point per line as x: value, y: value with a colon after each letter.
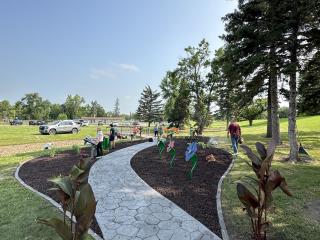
x: 99, y: 49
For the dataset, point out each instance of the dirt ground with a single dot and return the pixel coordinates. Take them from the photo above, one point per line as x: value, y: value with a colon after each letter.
x: 32, y: 147
x: 196, y: 196
x: 36, y: 172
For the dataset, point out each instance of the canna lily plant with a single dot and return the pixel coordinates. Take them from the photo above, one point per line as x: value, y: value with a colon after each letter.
x: 76, y: 196
x: 259, y: 204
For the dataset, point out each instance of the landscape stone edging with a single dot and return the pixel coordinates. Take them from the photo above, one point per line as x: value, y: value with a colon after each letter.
x: 223, y: 228
x: 207, y: 234
x: 50, y: 200
x: 196, y: 220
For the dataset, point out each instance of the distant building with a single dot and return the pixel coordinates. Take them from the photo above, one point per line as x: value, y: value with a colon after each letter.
x: 104, y: 120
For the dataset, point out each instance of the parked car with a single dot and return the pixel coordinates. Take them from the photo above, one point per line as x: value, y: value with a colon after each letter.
x: 37, y: 122
x: 16, y: 121
x: 83, y: 123
x: 65, y: 126
x: 115, y: 124
x: 135, y: 123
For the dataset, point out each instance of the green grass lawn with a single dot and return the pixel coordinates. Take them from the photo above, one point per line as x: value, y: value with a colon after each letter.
x: 12, y: 135
x: 290, y: 220
x: 20, y: 207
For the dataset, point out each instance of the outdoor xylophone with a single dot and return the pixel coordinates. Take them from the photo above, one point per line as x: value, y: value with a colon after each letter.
x: 161, y: 146
x: 93, y: 143
x: 172, y: 152
x: 191, y: 155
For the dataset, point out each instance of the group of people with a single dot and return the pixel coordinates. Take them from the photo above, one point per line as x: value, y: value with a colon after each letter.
x: 234, y: 131
x: 100, y: 139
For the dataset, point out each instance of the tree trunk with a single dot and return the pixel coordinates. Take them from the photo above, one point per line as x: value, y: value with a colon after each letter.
x: 292, y: 115
x: 269, y: 120
x: 227, y: 123
x: 274, y: 99
x: 250, y: 122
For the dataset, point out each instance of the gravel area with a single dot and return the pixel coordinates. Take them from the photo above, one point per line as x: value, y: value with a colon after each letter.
x: 32, y: 147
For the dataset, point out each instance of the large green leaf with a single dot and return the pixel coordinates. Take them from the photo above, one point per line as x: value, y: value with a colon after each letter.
x: 75, y: 172
x: 261, y: 149
x: 62, y: 229
x: 64, y: 183
x: 83, y: 178
x: 85, y: 220
x: 86, y: 198
x: 84, y: 163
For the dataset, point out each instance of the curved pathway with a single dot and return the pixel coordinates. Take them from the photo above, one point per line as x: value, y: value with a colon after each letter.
x: 128, y: 208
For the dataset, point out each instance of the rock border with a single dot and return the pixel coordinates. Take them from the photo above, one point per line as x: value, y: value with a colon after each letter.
x: 223, y: 227
x: 50, y: 200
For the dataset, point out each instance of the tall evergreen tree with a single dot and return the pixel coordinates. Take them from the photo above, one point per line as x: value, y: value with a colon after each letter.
x: 309, y: 88
x: 116, y: 109
x: 228, y: 86
x: 252, y: 32
x: 150, y: 107
x: 300, y: 20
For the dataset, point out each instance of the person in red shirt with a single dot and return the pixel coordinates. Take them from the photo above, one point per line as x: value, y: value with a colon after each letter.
x: 234, y: 131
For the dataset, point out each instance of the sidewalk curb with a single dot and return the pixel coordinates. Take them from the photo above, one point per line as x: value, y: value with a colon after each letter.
x: 223, y: 228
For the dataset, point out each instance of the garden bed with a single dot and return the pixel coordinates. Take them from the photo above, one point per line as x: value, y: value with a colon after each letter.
x: 37, y: 171
x: 196, y: 196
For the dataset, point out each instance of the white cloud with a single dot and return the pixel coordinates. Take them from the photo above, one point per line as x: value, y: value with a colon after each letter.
x: 127, y: 97
x: 101, y: 73
x: 130, y: 67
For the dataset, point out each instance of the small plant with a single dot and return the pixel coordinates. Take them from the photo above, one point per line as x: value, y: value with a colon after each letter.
x: 259, y: 204
x: 76, y: 196
x: 49, y: 152
x: 202, y: 145
x: 76, y: 149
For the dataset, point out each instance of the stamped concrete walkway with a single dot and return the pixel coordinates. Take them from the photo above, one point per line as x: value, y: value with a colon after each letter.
x: 128, y: 208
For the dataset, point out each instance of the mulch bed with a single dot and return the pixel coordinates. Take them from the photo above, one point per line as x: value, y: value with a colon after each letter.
x: 36, y: 171
x: 196, y: 196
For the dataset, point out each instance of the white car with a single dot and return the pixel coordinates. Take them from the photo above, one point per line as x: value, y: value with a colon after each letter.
x: 65, y: 126
x: 115, y: 124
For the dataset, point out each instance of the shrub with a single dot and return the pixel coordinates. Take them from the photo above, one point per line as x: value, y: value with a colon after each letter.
x: 49, y: 152
x: 259, y: 204
x: 76, y: 196
x: 76, y: 149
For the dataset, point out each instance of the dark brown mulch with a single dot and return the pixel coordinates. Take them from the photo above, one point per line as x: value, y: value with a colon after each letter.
x: 196, y: 196
x: 36, y: 172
